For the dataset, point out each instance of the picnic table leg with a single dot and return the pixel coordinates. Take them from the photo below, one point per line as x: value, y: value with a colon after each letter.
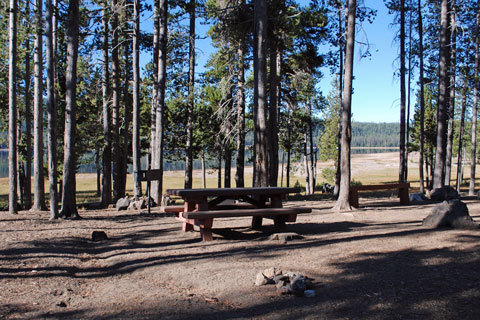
x: 279, y: 222
x: 205, y: 229
x: 404, y: 197
x: 257, y: 223
x: 353, y: 197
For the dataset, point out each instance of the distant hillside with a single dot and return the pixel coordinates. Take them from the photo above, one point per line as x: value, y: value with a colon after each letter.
x: 370, y: 134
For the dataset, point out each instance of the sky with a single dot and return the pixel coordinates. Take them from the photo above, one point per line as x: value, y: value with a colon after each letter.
x: 376, y: 93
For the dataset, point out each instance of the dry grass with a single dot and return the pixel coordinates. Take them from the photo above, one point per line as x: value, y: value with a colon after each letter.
x: 366, y: 169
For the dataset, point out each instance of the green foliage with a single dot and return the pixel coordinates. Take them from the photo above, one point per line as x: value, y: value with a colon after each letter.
x: 329, y: 174
x: 328, y: 139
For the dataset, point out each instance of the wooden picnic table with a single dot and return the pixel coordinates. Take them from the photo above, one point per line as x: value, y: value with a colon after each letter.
x: 201, y: 206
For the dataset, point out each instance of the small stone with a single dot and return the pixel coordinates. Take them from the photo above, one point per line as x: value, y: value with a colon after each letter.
x: 285, y: 236
x: 270, y: 272
x: 99, y: 236
x: 132, y: 206
x: 279, y: 278
x: 281, y: 283
x: 122, y: 204
x: 261, y: 280
x: 298, y: 285
x: 62, y: 304
x: 309, y: 293
x: 286, y: 289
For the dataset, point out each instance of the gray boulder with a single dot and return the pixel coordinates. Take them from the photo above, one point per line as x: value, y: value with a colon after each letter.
x: 450, y: 214
x: 122, y: 204
x: 417, y: 197
x: 443, y: 193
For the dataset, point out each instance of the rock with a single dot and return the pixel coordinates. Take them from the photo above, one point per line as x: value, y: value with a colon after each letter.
x: 280, y: 283
x: 286, y: 289
x: 443, y: 193
x: 417, y: 197
x: 132, y: 206
x: 298, y: 285
x: 261, y: 280
x: 285, y: 236
x: 99, y: 236
x: 122, y: 204
x: 62, y: 304
x: 280, y: 277
x: 141, y: 203
x: 309, y: 293
x: 270, y: 273
x: 452, y: 214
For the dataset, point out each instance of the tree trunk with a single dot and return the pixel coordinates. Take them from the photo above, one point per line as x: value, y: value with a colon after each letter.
x: 69, y: 203
x: 190, y: 102
x: 136, y: 152
x: 219, y: 173
x: 157, y: 186
x: 227, y: 178
x: 240, y: 172
x: 153, y: 112
x: 443, y: 97
x: 343, y: 202
x: 336, y: 189
x: 422, y: 99
x: 273, y: 117
x: 409, y: 86
x: 12, y: 108
x: 99, y: 171
x: 260, y: 99
x: 204, y: 171
x: 401, y: 177
x: 311, y: 167
x: 460, y: 136
x: 51, y: 113
x: 471, y: 188
x: 28, y: 120
x: 308, y: 191
x: 117, y: 155
x: 38, y: 178
x: 107, y: 144
x: 451, y: 109
x: 128, y: 107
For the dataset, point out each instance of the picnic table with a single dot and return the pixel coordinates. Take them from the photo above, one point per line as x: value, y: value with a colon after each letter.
x: 201, y: 206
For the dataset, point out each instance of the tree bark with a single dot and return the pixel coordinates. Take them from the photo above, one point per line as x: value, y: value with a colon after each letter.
x: 273, y: 117
x: 460, y: 136
x: 190, y: 100
x: 107, y: 145
x: 343, y: 202
x: 227, y: 156
x: 336, y: 189
x: 402, y: 166
x: 136, y: 152
x: 28, y: 120
x: 38, y: 176
x: 69, y: 203
x: 117, y: 155
x: 471, y: 188
x: 443, y: 97
x: 240, y: 172
x: 157, y: 186
x: 260, y: 84
x: 422, y: 98
x: 51, y: 113
x: 451, y: 109
x: 12, y: 108
x: 127, y: 102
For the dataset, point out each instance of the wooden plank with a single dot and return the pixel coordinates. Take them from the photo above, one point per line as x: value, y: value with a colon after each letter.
x: 231, y: 192
x: 244, y: 212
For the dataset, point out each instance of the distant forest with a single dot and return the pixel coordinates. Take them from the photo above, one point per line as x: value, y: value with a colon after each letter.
x: 369, y: 134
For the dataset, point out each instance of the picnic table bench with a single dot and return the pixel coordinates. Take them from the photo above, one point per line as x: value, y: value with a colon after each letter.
x: 202, y: 206
x: 402, y: 191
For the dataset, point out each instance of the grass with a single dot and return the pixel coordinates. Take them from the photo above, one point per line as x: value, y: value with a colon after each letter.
x: 366, y: 169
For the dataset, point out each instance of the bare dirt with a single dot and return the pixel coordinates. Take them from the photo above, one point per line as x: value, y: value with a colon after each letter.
x: 378, y: 262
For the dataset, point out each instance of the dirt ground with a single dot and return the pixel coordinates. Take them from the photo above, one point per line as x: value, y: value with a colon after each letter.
x: 375, y: 263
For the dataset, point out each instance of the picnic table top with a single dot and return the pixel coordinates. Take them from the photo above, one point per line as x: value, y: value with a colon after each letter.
x: 231, y: 191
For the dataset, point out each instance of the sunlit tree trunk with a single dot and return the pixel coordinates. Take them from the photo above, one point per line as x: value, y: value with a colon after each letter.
x: 38, y: 177
x: 451, y: 109
x: 343, y: 202
x: 69, y: 203
x: 240, y: 105
x: 402, y: 93
x: 117, y: 155
x: 260, y: 98
x: 460, y: 135
x: 51, y: 113
x: 471, y: 188
x: 28, y: 119
x: 443, y: 96
x: 12, y: 108
x: 136, y: 98
x: 422, y: 97
x: 190, y: 99
x: 273, y: 117
x: 107, y: 142
x: 160, y: 96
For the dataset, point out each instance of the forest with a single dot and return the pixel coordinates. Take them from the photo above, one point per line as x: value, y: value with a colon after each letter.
x: 117, y: 79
